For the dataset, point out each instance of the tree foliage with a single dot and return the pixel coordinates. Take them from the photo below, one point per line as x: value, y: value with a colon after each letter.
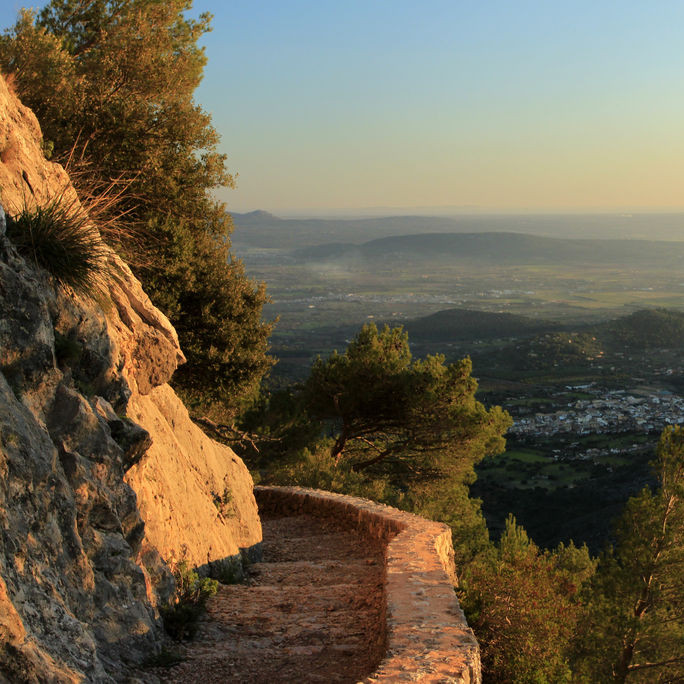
x: 649, y: 328
x: 374, y: 422
x: 523, y: 605
x: 635, y: 629
x: 449, y: 501
x: 112, y: 84
x: 418, y: 420
x: 116, y: 79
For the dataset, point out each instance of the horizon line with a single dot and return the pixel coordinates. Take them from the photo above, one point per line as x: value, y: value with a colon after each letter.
x: 452, y: 212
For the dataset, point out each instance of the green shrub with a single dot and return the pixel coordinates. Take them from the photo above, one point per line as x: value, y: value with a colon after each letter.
x: 67, y: 350
x: 315, y: 468
x: 192, y: 593
x: 224, y: 503
x: 228, y: 571
x: 60, y: 237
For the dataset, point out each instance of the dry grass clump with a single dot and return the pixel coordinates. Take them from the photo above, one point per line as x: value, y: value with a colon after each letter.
x: 61, y: 238
x: 110, y: 204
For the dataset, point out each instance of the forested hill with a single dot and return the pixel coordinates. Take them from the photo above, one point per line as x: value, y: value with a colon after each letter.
x: 467, y: 324
x: 502, y: 249
x: 649, y: 328
x: 642, y: 330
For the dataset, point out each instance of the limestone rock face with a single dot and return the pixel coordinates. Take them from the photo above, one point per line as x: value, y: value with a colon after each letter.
x: 24, y: 174
x: 181, y: 462
x: 86, y: 421
x: 76, y: 601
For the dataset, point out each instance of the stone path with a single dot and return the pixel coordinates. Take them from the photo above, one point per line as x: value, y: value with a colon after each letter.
x: 312, y: 611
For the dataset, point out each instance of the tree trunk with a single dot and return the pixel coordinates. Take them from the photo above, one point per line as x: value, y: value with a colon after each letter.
x: 622, y: 666
x: 338, y: 447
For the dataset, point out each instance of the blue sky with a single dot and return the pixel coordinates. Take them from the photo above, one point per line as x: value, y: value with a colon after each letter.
x: 494, y: 105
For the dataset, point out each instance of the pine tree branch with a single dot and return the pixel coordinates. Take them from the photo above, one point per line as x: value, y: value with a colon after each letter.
x: 661, y: 663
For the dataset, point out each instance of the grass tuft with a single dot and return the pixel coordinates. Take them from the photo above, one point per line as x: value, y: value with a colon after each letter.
x: 61, y: 238
x: 111, y: 204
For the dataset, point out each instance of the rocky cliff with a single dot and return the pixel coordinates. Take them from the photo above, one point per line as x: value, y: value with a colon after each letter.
x: 103, y: 476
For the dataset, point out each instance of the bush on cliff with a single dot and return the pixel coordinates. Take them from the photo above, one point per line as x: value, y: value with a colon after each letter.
x: 112, y: 85
x: 313, y: 467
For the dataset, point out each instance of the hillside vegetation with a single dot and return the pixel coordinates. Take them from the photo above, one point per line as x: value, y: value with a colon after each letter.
x: 542, y: 344
x: 648, y: 328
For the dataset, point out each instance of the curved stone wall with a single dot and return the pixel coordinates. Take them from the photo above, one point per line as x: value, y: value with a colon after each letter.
x: 428, y: 639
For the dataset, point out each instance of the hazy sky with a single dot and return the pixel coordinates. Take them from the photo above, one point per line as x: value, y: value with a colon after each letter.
x: 481, y: 103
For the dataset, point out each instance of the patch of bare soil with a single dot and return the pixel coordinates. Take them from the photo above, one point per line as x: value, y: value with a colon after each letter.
x: 312, y: 611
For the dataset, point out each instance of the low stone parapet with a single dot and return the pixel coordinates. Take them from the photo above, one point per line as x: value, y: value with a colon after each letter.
x: 427, y: 637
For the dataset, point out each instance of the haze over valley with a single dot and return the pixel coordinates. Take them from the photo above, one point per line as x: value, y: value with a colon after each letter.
x: 326, y: 275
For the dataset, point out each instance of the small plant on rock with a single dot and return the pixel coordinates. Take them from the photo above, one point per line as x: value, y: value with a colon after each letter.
x: 167, y: 657
x: 67, y: 350
x: 229, y: 570
x: 192, y: 593
x: 224, y: 502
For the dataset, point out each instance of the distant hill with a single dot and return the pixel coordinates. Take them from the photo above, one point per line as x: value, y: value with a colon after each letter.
x: 542, y: 344
x: 637, y: 333
x: 501, y: 249
x: 263, y: 230
x: 260, y: 229
x: 258, y: 217
x: 649, y: 328
x: 467, y: 324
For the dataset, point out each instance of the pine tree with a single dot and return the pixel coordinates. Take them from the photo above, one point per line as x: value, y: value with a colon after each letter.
x: 414, y: 420
x: 523, y: 605
x: 635, y: 630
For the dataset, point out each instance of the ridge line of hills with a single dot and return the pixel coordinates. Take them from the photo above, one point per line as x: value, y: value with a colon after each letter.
x: 261, y: 229
x: 501, y: 248
x: 642, y: 329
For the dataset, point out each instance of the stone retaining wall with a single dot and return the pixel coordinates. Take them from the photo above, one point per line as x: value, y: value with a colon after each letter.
x: 428, y: 639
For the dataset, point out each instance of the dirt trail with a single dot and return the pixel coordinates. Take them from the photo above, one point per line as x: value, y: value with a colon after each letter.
x: 310, y: 612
